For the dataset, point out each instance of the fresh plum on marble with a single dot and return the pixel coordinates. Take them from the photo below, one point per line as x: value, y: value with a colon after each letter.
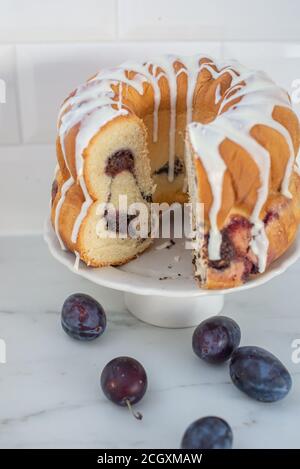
x: 216, y: 338
x: 82, y: 317
x: 208, y: 433
x: 259, y: 374
x: 124, y: 382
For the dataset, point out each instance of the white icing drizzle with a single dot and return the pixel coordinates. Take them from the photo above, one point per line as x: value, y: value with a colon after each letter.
x: 168, y: 67
x: 205, y: 141
x: 218, y: 96
x: 192, y: 71
x: 95, y: 103
x: 65, y: 187
x: 259, y: 96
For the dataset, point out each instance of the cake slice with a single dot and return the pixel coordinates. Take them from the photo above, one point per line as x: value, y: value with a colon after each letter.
x: 88, y: 211
x: 232, y: 240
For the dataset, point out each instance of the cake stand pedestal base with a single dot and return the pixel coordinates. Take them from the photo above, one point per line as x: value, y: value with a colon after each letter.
x: 164, y: 311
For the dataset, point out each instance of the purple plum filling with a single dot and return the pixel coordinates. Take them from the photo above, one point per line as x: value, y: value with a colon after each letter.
x: 117, y: 222
x: 147, y: 197
x: 236, y: 239
x: 122, y: 160
x: 270, y: 216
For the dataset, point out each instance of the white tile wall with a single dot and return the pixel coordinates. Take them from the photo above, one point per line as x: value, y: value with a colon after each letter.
x: 93, y: 20
x: 209, y: 20
x: 9, y: 126
x: 57, y: 20
x: 47, y: 73
x: 26, y: 177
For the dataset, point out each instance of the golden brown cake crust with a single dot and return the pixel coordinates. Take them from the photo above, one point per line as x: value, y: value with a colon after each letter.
x: 241, y: 180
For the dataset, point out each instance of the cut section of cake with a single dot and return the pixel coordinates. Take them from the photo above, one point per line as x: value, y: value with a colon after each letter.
x: 114, y: 166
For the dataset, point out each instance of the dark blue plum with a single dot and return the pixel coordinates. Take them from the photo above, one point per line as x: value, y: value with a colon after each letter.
x: 208, y: 433
x: 82, y: 317
x: 259, y: 374
x: 216, y: 338
x: 124, y: 382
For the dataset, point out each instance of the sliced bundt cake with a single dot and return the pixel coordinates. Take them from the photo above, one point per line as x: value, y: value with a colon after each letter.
x: 133, y: 130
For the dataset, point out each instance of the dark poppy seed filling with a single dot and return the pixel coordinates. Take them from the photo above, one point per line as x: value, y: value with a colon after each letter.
x: 116, y: 221
x: 178, y: 168
x: 147, y: 197
x: 122, y: 160
x: 54, y: 190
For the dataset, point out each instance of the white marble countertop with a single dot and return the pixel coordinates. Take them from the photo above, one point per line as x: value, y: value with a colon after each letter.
x: 49, y: 387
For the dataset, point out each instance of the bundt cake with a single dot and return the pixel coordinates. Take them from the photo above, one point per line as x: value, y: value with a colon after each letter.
x: 140, y: 129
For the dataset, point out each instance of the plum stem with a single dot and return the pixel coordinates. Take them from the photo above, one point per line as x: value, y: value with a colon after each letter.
x: 136, y: 415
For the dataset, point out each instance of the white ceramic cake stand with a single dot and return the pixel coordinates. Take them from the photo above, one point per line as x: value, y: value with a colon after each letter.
x: 159, y: 287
